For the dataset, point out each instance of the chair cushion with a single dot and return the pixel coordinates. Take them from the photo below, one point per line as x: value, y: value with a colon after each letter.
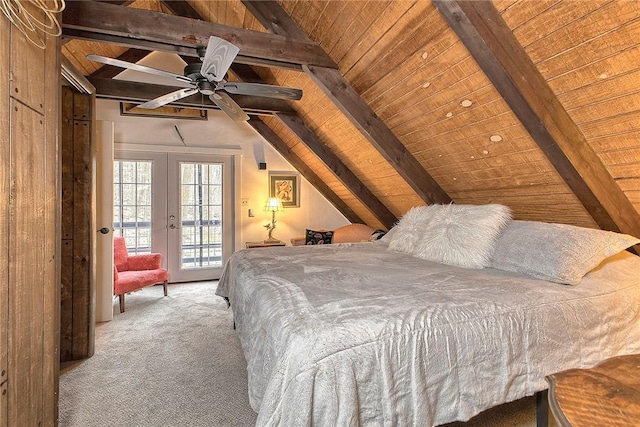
x: 129, y: 281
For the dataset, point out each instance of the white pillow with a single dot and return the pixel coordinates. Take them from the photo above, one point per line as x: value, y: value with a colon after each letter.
x: 462, y: 235
x: 556, y: 252
x: 407, y: 231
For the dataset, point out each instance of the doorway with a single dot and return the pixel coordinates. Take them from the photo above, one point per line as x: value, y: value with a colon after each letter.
x: 179, y: 205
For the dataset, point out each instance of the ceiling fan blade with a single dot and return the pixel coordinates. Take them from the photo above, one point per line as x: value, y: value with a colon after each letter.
x: 136, y: 67
x: 258, y: 89
x: 218, y: 58
x: 229, y: 106
x: 170, y: 97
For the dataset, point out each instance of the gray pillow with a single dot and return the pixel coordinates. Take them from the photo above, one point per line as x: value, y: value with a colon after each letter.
x: 556, y: 252
x: 462, y: 235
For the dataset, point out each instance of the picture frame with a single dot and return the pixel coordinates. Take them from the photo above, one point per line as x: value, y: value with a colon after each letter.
x: 166, y: 111
x: 286, y: 186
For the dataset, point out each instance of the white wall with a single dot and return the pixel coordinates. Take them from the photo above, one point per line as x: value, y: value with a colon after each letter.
x: 221, y: 135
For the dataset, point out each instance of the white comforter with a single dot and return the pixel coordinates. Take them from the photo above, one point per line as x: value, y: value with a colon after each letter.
x: 357, y: 335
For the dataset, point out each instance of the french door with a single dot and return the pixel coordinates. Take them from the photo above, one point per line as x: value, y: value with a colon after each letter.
x: 179, y: 205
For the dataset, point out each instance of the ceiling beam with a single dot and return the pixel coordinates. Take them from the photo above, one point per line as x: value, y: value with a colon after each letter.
x: 494, y: 47
x: 92, y: 19
x: 267, y: 133
x: 270, y: 14
x: 340, y: 170
x: 168, y: 48
x: 127, y: 91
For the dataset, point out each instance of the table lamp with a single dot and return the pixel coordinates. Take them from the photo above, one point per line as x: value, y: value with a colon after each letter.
x: 273, y: 204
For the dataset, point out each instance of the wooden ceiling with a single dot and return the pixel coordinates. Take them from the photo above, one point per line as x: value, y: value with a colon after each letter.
x: 531, y: 104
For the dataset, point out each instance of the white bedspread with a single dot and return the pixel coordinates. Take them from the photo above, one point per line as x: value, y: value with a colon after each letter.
x: 356, y: 335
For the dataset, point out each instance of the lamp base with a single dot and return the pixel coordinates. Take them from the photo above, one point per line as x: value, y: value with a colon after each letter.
x: 272, y: 240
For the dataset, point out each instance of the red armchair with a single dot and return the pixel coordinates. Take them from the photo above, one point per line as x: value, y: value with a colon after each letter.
x: 135, y: 272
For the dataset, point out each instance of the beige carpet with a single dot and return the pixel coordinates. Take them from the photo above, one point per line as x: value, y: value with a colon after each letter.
x: 176, y: 361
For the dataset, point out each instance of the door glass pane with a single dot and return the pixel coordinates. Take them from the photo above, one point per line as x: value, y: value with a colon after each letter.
x: 132, y: 203
x: 201, y: 215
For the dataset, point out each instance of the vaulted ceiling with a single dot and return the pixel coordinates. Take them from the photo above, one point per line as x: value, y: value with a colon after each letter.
x: 531, y: 104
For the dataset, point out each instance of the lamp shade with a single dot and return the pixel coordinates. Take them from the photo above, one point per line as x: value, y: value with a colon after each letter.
x: 273, y: 204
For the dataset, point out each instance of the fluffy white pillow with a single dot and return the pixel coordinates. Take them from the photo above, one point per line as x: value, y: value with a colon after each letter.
x: 407, y: 231
x: 462, y: 235
x: 556, y: 252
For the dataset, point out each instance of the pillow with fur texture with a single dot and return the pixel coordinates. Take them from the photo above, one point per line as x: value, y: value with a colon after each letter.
x: 462, y: 235
x: 406, y: 232
x: 558, y: 253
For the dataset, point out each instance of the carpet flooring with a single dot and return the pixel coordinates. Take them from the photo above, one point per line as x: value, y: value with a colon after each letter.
x: 176, y: 361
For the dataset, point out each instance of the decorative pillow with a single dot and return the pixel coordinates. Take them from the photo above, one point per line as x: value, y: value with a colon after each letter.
x: 556, y: 252
x: 407, y: 232
x: 462, y: 235
x: 315, y: 237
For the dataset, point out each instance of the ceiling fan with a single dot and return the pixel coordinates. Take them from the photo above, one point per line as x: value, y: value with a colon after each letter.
x: 208, y: 78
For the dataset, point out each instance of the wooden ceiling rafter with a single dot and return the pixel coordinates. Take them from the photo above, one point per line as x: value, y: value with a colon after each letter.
x: 344, y: 96
x: 339, y: 169
x: 151, y: 30
x: 492, y: 43
x: 301, y: 166
x: 141, y: 92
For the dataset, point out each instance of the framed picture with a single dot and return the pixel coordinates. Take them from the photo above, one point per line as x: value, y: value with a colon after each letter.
x: 166, y: 111
x: 286, y: 186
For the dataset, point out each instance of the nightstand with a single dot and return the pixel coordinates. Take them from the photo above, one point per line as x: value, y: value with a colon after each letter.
x: 251, y: 245
x: 606, y: 395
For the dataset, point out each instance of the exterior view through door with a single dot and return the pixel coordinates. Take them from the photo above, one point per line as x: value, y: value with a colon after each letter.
x: 179, y: 205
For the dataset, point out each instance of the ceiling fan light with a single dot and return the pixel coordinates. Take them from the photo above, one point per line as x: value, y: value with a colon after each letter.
x: 206, y: 88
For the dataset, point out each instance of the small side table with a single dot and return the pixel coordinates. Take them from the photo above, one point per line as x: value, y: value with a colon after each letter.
x: 606, y: 395
x: 250, y: 245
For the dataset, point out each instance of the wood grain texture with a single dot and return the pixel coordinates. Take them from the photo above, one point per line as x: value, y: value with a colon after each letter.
x: 152, y: 26
x: 26, y: 266
x: 5, y: 145
x: 526, y: 91
x: 605, y: 395
x: 51, y: 240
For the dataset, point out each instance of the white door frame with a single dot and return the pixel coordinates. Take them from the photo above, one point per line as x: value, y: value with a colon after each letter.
x: 174, y: 227
x: 155, y: 152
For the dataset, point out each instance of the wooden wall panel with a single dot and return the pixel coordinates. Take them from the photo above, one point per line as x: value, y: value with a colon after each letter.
x: 77, y: 321
x: 29, y: 305
x: 26, y: 263
x: 5, y: 49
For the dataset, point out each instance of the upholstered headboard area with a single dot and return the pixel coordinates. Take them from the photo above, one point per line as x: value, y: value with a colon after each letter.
x: 350, y: 233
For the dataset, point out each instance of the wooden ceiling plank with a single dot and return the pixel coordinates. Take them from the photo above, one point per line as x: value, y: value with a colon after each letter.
x: 106, y: 19
x: 344, y: 174
x: 306, y: 171
x: 506, y: 64
x: 340, y: 91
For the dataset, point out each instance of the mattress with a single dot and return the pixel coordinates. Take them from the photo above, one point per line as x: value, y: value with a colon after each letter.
x: 358, y: 335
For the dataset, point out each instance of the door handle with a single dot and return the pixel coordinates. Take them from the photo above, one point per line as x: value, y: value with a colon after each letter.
x: 104, y: 230
x: 172, y: 226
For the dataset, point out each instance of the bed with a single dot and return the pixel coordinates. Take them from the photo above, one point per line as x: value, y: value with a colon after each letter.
x: 365, y: 334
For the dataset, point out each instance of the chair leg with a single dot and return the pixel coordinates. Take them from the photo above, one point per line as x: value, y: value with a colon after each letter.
x: 121, y: 299
x: 164, y: 285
